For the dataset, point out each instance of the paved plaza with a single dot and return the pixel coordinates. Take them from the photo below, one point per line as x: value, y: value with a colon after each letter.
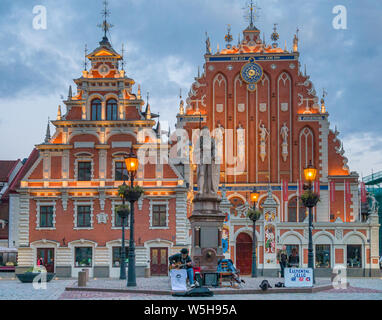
x: 12, y: 289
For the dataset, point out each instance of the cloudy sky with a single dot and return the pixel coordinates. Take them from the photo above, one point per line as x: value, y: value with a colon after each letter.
x: 165, y: 44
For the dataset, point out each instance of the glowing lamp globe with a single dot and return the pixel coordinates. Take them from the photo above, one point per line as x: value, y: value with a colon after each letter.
x: 254, y: 195
x: 132, y: 163
x: 310, y: 173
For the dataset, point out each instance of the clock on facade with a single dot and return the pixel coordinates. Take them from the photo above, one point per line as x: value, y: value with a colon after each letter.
x: 251, y: 72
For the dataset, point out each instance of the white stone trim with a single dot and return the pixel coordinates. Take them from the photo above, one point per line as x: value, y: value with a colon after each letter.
x: 163, y: 203
x: 83, y: 203
x: 39, y: 204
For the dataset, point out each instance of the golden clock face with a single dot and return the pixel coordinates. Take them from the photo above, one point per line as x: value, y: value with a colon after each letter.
x: 251, y: 72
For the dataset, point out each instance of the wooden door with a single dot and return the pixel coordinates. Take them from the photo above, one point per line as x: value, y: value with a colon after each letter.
x: 244, y: 253
x: 47, y: 255
x: 159, y: 261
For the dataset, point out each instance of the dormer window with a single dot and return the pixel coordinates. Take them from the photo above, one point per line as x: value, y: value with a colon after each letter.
x: 112, y: 110
x: 96, y: 108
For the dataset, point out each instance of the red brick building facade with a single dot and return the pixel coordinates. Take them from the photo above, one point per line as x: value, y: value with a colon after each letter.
x: 270, y: 128
x: 66, y: 213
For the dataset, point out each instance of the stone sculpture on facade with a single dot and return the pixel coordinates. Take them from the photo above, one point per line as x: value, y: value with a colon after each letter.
x: 284, y: 134
x: 263, y: 138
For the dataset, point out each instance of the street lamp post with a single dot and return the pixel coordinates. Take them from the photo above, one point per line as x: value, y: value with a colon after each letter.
x: 131, y: 162
x: 254, y: 217
x: 123, y: 214
x: 310, y: 174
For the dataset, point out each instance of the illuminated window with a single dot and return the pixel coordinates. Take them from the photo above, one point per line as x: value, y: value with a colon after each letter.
x: 83, y: 257
x: 112, y: 110
x: 96, y: 110
x: 354, y: 256
x: 322, y: 256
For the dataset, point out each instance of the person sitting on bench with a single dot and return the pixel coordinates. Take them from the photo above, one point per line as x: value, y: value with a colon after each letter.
x: 183, y: 261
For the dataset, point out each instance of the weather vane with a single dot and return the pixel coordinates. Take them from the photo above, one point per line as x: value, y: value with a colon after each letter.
x: 253, y: 12
x: 105, y: 26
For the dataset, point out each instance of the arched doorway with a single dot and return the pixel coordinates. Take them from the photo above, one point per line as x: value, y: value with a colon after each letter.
x: 244, y: 253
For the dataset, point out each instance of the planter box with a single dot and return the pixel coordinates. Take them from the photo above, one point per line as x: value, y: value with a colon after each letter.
x: 28, y: 277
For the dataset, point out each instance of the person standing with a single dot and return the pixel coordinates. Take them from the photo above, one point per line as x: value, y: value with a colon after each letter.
x: 283, y: 260
x: 294, y: 260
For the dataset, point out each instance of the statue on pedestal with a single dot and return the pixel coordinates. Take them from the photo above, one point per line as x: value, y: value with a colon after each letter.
x: 208, y: 172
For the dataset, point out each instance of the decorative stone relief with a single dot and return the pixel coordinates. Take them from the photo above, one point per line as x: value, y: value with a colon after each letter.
x: 241, y: 107
x: 64, y: 199
x: 262, y: 107
x: 102, y: 218
x: 140, y: 203
x: 219, y: 108
x: 102, y: 198
x: 284, y: 106
x: 339, y: 234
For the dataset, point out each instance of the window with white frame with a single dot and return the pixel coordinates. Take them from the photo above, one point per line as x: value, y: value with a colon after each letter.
x: 159, y: 215
x: 83, y: 215
x: 83, y: 256
x: 45, y: 215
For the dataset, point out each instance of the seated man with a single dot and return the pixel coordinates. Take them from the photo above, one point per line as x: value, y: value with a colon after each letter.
x: 185, y: 263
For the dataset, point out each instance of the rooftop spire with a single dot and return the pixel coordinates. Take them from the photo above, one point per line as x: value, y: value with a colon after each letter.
x: 47, y: 135
x: 105, y: 26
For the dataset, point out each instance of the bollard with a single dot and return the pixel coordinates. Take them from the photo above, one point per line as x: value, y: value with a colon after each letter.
x: 87, y: 274
x: 82, y: 279
x: 147, y: 273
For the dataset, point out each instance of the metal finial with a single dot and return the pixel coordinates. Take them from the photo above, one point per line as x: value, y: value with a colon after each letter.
x: 123, y: 57
x: 105, y: 26
x: 228, y: 38
x: 253, y: 13
x: 86, y: 61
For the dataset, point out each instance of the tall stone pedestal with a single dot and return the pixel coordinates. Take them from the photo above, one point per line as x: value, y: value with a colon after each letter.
x: 207, y: 225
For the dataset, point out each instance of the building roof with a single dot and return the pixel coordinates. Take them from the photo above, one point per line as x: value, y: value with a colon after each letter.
x: 6, y: 168
x: 22, y: 172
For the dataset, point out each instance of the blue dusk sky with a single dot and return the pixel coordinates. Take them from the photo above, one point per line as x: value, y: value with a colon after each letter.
x: 165, y: 41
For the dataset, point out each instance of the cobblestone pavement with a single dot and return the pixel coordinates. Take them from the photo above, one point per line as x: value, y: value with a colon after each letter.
x: 360, y: 289
x: 15, y: 290
x: 163, y: 283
